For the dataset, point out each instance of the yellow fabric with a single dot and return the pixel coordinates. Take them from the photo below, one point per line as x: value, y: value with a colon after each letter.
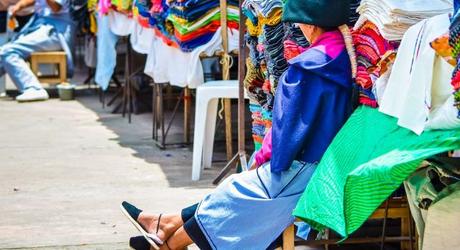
x: 252, y: 29
x: 92, y: 24
x: 92, y: 4
x: 273, y: 19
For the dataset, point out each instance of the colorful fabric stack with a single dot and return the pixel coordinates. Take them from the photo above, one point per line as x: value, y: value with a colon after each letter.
x: 158, y: 20
x: 261, y: 123
x: 375, y: 55
x: 195, y: 22
x: 123, y: 6
x: 267, y: 57
x: 276, y: 62
x: 185, y: 24
x: 141, y: 12
x: 295, y: 42
x: 454, y: 42
x: 254, y: 82
x: 394, y: 17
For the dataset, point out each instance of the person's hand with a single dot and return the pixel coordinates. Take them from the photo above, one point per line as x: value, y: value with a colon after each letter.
x: 253, y: 166
x: 15, y: 9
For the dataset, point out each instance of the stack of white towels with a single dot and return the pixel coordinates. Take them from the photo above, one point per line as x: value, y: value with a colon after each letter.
x: 394, y: 17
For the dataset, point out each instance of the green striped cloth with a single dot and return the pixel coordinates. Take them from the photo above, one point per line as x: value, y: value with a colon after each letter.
x: 368, y: 160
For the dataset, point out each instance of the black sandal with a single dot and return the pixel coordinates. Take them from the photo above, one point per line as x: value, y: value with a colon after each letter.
x: 139, y: 243
x: 133, y: 213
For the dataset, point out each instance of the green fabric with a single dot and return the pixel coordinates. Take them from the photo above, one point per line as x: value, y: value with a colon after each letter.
x: 188, y: 27
x: 369, y: 159
x: 323, y: 13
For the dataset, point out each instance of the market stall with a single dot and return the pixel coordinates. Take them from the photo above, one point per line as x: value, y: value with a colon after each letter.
x: 405, y: 73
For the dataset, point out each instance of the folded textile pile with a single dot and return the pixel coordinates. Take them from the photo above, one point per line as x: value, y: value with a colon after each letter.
x: 454, y: 42
x: 185, y: 24
x: 254, y: 82
x: 375, y: 56
x: 195, y: 22
x: 394, y: 17
x: 141, y: 12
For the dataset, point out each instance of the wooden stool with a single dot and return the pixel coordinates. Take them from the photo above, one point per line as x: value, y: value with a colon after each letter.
x: 393, y: 208
x: 50, y: 57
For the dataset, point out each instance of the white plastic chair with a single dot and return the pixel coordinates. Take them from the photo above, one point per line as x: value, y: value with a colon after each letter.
x: 207, y: 97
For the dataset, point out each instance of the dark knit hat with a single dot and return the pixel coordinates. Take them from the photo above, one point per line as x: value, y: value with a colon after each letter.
x: 323, y: 13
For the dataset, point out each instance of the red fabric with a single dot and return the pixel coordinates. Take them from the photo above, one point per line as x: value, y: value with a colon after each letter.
x: 291, y: 49
x: 212, y: 27
x: 165, y: 39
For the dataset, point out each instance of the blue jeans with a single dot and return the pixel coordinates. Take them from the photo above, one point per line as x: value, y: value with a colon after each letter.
x: 14, y: 54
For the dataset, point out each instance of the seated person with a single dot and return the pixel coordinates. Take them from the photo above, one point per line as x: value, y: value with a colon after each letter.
x: 250, y: 210
x: 50, y: 29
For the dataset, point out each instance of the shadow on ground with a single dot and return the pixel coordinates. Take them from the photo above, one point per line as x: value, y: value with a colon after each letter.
x: 176, y: 163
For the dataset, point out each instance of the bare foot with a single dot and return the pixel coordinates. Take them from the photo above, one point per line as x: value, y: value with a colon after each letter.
x: 168, y: 224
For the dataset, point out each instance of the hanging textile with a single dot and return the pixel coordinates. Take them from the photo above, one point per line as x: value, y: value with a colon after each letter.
x: 106, y: 53
x: 186, y: 69
x: 368, y: 159
x: 418, y: 92
x: 90, y: 52
x: 141, y: 38
x: 120, y: 24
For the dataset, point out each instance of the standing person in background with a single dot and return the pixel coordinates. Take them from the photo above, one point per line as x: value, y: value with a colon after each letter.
x: 50, y: 29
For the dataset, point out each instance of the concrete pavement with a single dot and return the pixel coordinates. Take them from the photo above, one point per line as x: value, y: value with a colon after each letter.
x: 66, y: 166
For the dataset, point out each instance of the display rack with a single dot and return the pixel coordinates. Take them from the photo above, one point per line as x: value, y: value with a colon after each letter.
x: 240, y: 157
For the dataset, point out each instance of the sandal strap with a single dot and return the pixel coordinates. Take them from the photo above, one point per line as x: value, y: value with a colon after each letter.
x: 166, y: 242
x: 158, y: 224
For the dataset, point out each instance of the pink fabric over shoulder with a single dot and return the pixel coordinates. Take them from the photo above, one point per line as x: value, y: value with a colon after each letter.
x: 265, y: 153
x: 332, y: 50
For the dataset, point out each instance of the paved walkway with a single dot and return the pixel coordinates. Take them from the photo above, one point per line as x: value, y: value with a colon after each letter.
x: 66, y: 166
